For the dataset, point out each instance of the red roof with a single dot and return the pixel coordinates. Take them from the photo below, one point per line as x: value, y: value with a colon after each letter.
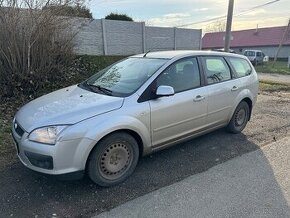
x: 247, y: 38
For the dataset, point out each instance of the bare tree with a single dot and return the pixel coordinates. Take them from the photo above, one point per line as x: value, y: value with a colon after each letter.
x: 217, y: 26
x: 35, y: 45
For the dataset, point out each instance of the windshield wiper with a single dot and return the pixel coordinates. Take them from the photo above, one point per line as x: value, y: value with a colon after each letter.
x: 99, y: 88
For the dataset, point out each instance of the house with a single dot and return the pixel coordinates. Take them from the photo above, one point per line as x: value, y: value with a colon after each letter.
x: 265, y: 39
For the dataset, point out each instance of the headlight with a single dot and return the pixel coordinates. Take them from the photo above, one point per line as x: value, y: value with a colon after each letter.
x: 47, y: 135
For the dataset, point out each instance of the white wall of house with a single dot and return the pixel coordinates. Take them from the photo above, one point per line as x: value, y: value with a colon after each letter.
x: 269, y: 50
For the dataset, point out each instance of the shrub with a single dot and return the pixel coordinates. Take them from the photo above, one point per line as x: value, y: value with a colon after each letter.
x: 116, y: 16
x: 35, y: 45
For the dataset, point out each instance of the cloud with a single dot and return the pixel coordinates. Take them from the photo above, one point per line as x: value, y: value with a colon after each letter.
x: 176, y: 15
x: 171, y: 19
x: 256, y: 12
x: 265, y: 22
x: 200, y: 9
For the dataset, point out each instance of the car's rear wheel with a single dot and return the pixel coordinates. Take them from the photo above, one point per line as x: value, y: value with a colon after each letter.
x: 113, y: 159
x: 240, y: 118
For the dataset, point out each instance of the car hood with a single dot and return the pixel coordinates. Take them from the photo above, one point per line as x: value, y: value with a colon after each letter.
x: 65, y: 106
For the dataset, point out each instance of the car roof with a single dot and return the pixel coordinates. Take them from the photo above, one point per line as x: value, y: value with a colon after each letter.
x: 184, y: 53
x: 254, y: 50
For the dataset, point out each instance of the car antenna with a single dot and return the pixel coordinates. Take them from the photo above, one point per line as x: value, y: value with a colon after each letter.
x: 146, y: 54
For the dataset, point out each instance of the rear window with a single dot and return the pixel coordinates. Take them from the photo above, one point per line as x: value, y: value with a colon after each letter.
x: 250, y: 53
x: 240, y: 66
x: 216, y: 69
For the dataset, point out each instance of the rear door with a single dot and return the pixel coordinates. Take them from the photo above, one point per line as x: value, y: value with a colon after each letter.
x: 184, y: 113
x: 244, y: 73
x: 222, y: 90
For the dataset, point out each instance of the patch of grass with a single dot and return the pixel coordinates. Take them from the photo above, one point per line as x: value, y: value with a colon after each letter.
x: 96, y: 63
x: 270, y: 86
x: 280, y: 67
x: 82, y: 68
x: 7, y: 149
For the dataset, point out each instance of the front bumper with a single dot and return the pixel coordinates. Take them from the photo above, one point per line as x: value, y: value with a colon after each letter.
x: 62, y: 158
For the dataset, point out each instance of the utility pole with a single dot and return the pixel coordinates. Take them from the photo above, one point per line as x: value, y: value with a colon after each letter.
x: 282, y: 41
x: 229, y: 25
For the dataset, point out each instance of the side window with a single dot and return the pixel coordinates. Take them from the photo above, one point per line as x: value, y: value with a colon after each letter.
x: 216, y: 69
x: 182, y: 75
x: 240, y: 66
x: 259, y: 54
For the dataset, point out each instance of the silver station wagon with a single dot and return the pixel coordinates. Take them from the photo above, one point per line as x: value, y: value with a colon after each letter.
x: 139, y: 105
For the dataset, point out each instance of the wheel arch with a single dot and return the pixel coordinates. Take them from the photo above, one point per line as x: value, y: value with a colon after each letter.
x: 131, y: 132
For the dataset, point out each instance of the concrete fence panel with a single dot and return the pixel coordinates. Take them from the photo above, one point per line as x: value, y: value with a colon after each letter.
x: 188, y: 39
x: 109, y: 37
x: 89, y: 38
x: 123, y: 38
x: 159, y: 38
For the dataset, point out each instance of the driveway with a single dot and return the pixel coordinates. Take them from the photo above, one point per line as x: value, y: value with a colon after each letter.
x: 28, y: 194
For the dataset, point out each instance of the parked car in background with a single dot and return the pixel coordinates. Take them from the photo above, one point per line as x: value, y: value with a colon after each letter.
x: 223, y: 50
x: 132, y: 108
x: 255, y: 56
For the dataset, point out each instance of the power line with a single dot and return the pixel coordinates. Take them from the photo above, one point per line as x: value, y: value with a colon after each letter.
x: 224, y: 16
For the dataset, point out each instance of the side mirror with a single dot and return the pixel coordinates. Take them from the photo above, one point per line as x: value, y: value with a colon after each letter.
x: 164, y: 91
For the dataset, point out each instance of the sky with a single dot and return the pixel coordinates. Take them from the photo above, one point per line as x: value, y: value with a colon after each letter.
x: 175, y: 13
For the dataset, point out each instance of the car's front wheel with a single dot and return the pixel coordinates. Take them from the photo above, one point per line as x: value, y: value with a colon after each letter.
x: 240, y: 118
x: 113, y: 159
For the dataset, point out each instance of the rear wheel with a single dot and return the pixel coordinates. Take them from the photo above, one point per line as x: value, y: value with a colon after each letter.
x: 240, y: 118
x: 113, y: 159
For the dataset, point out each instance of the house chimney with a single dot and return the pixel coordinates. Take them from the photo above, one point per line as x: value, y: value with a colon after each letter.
x: 257, y: 28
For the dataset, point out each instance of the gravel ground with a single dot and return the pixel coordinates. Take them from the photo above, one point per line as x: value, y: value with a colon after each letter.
x: 28, y: 194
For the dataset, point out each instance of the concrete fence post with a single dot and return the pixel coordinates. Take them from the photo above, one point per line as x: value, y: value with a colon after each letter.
x: 104, y: 36
x: 143, y: 36
x: 175, y: 30
x: 200, y: 40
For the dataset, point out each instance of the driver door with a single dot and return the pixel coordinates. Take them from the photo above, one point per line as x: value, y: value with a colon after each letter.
x: 184, y: 113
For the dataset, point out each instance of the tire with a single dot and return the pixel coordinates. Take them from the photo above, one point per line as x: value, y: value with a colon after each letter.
x: 113, y: 159
x: 240, y: 118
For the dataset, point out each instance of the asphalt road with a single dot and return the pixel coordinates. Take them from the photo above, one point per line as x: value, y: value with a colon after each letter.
x: 24, y: 193
x: 253, y: 185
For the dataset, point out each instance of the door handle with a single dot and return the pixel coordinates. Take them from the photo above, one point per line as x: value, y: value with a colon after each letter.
x: 235, y: 88
x: 198, y: 98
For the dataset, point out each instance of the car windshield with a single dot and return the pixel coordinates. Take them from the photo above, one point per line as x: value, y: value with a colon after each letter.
x: 250, y: 53
x: 125, y: 77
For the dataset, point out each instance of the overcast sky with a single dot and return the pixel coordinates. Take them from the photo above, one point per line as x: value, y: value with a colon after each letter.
x: 178, y: 12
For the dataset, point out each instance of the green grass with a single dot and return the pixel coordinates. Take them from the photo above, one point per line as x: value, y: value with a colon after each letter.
x: 280, y: 67
x: 270, y: 86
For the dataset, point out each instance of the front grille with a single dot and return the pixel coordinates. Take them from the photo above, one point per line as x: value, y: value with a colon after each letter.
x: 18, y: 129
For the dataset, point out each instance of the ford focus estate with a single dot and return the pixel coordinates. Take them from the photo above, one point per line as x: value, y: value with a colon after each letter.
x: 136, y: 106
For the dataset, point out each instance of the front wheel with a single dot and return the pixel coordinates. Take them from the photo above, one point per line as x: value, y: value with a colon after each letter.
x: 113, y: 159
x: 240, y: 118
